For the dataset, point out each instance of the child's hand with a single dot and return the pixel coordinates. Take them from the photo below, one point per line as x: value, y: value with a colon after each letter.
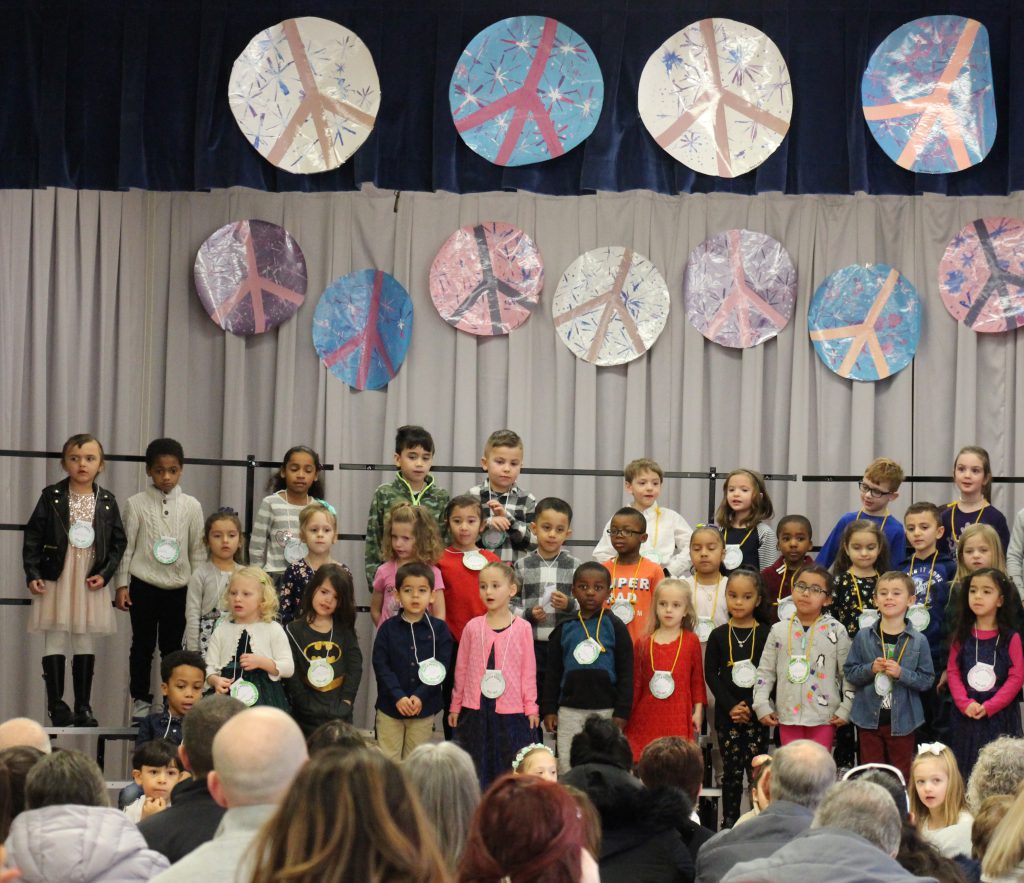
x: 538, y: 614
x: 620, y: 722
x: 406, y: 707
x: 497, y: 510
x: 770, y: 720
x: 975, y: 710
x: 698, y: 719
x: 878, y: 665
x: 551, y: 723
x: 893, y: 668
x: 943, y: 680
x: 253, y: 661
x: 152, y: 805
x: 37, y: 587
x: 837, y: 721
x: 559, y: 600
x: 739, y: 713
x: 499, y: 522
x: 95, y: 582
x: 417, y: 704
x: 122, y: 600
x: 219, y: 684
x: 534, y: 720
x: 453, y: 719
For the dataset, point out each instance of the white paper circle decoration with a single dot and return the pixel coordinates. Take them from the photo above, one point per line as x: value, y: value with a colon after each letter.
x: 610, y: 305
x: 716, y: 96
x: 305, y: 94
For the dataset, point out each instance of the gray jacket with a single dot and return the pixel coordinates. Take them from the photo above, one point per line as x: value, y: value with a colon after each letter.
x: 80, y: 844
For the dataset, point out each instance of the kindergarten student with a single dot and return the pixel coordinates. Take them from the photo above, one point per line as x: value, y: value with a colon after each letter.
x: 318, y: 530
x: 222, y: 536
x: 510, y: 508
x: 590, y: 663
x: 410, y: 534
x: 803, y: 662
x: 937, y: 800
x: 744, y: 515
x: 977, y: 547
x: 890, y: 667
x: 986, y: 667
x: 182, y: 678
x: 972, y: 475
x: 668, y: 541
x: 249, y: 652
x: 730, y: 667
x: 795, y: 546
x: 72, y: 546
x: 155, y: 770
x: 413, y: 483
x: 325, y: 650
x: 494, y: 708
x: 633, y: 577
x: 863, y: 554
x: 878, y: 488
x: 411, y: 655
x: 668, y: 678
x: 536, y: 759
x: 164, y: 530
x: 275, y: 543
x: 710, y: 609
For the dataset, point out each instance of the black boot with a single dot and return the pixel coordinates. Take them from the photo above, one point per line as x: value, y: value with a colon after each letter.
x: 53, y: 675
x: 81, y: 675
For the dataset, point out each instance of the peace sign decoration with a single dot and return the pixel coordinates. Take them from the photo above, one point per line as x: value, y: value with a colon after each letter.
x: 927, y: 94
x: 610, y: 306
x: 981, y: 275
x: 739, y: 288
x: 717, y: 97
x: 305, y: 94
x: 487, y: 278
x: 362, y: 327
x: 250, y: 276
x: 525, y: 90
x: 865, y: 321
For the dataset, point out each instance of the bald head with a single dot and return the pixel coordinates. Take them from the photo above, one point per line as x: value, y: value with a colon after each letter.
x: 23, y: 731
x: 802, y: 772
x: 256, y: 755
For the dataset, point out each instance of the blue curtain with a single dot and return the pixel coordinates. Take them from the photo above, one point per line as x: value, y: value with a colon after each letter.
x: 114, y: 95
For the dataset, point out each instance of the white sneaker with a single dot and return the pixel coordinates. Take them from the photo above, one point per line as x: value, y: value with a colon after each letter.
x: 141, y: 708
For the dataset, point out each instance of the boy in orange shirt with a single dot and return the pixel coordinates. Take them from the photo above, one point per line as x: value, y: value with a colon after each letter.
x: 633, y: 577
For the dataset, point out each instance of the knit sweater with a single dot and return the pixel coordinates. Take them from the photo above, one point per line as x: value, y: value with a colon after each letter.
x: 513, y: 656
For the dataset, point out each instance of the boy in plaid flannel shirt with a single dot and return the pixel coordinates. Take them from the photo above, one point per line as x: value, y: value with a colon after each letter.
x: 510, y: 508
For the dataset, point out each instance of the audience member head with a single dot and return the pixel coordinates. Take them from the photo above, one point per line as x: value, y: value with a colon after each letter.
x: 673, y: 761
x: 65, y: 777
x: 862, y: 808
x: 155, y: 768
x: 591, y: 818
x: 349, y: 815
x: 986, y: 820
x: 24, y: 731
x: 200, y: 727
x: 892, y: 783
x: 936, y: 788
x: 802, y: 772
x: 15, y: 764
x: 998, y: 770
x: 526, y: 829
x: 446, y: 782
x: 1005, y: 853
x: 335, y: 734
x: 256, y: 756
x: 601, y: 741
x: 536, y: 760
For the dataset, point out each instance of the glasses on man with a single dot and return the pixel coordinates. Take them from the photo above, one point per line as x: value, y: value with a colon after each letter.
x: 805, y: 589
x: 876, y: 493
x: 623, y: 532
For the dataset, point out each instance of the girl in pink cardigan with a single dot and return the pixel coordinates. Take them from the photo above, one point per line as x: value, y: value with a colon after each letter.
x: 494, y: 704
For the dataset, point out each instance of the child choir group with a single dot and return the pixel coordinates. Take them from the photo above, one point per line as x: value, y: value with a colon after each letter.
x: 898, y: 640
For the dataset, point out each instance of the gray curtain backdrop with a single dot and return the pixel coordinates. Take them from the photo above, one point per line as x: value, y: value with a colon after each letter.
x: 102, y: 332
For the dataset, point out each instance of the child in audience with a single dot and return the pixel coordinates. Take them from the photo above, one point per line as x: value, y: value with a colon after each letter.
x: 73, y: 544
x: 325, y: 650
x: 803, y: 662
x: 182, y: 678
x: 413, y: 483
x: 274, y: 542
x: 164, y: 531
x: 222, y: 536
x: 155, y: 770
x: 668, y: 541
x: 410, y: 534
x: 668, y: 678
x: 590, y: 663
x: 411, y: 655
x: 494, y: 708
x: 890, y: 667
x: 972, y: 475
x: 937, y: 800
x: 545, y: 577
x: 878, y: 488
x: 730, y: 666
x: 744, y: 515
x: 795, y: 545
x: 538, y: 760
x: 986, y: 667
x: 710, y: 609
x: 633, y: 577
x: 249, y: 653
x: 318, y: 530
x: 510, y: 508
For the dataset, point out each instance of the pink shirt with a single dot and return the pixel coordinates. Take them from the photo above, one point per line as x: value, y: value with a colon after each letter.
x: 513, y: 655
x: 1010, y: 688
x: 384, y: 581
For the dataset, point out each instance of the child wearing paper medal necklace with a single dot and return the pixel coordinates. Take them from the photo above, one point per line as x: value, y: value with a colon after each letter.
x: 972, y: 475
x: 743, y: 516
x: 863, y: 554
x: 706, y: 550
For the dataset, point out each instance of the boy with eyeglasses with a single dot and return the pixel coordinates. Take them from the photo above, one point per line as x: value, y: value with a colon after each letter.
x: 633, y: 577
x: 878, y: 488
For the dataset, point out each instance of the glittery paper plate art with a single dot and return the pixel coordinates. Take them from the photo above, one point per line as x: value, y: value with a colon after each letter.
x: 250, y: 276
x: 981, y: 275
x: 739, y: 288
x: 610, y: 306
x: 927, y: 94
x: 525, y: 90
x: 865, y: 321
x: 305, y: 94
x: 362, y: 327
x: 716, y: 96
x: 487, y: 278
